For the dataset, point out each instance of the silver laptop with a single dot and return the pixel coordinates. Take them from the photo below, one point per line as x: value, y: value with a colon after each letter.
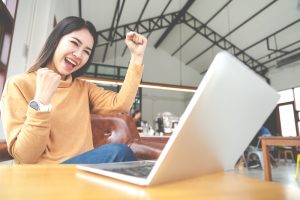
x: 228, y: 108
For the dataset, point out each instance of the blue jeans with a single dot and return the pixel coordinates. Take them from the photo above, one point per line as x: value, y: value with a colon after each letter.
x: 107, y: 153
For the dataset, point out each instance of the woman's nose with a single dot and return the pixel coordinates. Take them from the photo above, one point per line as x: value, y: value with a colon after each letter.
x: 77, y: 54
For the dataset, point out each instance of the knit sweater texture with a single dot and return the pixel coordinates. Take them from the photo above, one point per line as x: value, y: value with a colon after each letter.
x: 65, y: 131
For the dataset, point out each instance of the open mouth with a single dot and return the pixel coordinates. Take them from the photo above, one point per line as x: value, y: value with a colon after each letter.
x: 71, y: 62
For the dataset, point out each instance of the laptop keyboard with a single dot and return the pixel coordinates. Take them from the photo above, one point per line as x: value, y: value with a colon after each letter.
x: 141, y: 171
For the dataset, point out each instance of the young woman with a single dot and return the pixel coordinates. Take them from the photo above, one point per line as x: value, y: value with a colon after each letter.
x: 46, y: 111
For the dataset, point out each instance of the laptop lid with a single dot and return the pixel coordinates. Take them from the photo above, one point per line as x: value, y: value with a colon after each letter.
x: 228, y: 108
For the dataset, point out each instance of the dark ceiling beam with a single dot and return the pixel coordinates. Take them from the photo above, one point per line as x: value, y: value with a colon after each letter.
x: 111, y: 29
x: 79, y: 8
x: 184, y: 43
x: 161, y: 14
x: 160, y: 22
x: 233, y: 30
x: 164, y: 10
x: 118, y: 20
x: 223, y: 43
x: 141, y: 15
x: 282, y: 50
x: 139, y: 19
x: 194, y: 34
x: 175, y: 21
x: 278, y: 53
x: 144, y: 26
x: 220, y: 10
x: 269, y: 48
x: 271, y: 35
x: 250, y: 18
x: 136, y: 26
x: 281, y: 55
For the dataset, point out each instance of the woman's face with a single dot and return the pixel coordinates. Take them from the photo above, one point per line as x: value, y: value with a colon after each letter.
x: 72, y: 52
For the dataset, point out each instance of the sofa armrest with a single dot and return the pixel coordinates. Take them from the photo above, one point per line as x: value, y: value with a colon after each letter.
x: 4, y: 155
x: 147, y: 150
x: 121, y: 129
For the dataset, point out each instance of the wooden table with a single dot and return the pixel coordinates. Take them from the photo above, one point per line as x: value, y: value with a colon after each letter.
x: 275, y: 141
x: 67, y: 182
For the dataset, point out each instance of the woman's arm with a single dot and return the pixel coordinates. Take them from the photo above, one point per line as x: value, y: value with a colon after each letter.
x: 27, y: 131
x: 110, y: 102
x: 136, y: 44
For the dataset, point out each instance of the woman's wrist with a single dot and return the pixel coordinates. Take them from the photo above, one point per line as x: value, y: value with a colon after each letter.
x: 136, y: 59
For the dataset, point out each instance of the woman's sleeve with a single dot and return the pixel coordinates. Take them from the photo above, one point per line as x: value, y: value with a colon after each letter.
x: 106, y: 101
x: 27, y: 131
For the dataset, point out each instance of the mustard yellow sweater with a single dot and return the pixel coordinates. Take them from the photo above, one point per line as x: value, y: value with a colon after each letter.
x: 52, y: 137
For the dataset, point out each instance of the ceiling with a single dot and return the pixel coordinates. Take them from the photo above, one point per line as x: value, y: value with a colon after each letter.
x: 264, y: 34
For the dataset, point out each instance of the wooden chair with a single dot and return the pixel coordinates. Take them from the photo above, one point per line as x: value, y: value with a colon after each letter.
x: 112, y: 129
x: 286, y: 152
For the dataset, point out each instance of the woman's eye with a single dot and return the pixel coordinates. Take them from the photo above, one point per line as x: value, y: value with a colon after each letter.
x: 87, y: 52
x: 74, y: 43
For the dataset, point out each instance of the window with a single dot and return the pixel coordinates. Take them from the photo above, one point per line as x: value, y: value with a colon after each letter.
x: 286, y: 96
x: 287, y: 120
x: 297, y: 98
x: 289, y: 112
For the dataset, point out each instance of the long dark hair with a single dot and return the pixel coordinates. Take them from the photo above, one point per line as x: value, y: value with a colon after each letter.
x: 64, y: 27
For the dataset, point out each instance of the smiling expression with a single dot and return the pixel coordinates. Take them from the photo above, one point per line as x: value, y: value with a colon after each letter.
x: 72, y: 52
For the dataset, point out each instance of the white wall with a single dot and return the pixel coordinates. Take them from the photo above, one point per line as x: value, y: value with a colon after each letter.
x: 161, y: 67
x: 66, y: 8
x: 33, y: 23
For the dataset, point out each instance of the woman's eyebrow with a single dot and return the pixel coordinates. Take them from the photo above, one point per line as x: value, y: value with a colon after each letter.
x: 81, y: 43
x: 77, y: 40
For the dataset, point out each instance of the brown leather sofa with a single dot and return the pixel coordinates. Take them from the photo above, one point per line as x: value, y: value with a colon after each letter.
x: 113, y: 129
x: 4, y: 155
